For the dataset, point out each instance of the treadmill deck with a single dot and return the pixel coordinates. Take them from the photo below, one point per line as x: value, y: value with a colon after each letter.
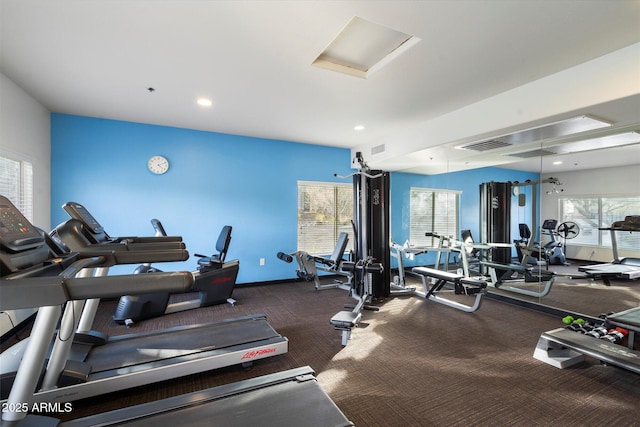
x: 287, y: 398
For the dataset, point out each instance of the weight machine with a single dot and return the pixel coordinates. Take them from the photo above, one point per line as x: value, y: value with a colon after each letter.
x: 495, y: 228
x: 371, y: 249
x: 308, y: 265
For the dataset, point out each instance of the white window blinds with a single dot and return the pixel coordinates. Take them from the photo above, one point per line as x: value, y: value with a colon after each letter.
x: 16, y: 183
x: 324, y: 210
x: 433, y: 211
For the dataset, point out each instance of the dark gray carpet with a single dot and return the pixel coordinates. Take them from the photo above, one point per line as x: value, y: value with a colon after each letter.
x: 413, y: 363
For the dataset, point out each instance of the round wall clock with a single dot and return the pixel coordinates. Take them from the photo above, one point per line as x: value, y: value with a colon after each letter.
x: 158, y: 165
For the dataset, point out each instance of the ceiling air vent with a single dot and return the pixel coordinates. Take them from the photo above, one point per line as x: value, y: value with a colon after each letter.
x: 546, y: 131
x: 491, y: 144
x: 377, y: 149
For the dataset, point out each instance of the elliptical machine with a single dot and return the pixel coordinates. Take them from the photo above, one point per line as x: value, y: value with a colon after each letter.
x: 214, y: 282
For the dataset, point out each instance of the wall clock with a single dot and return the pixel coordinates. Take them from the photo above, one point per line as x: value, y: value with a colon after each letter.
x: 158, y: 165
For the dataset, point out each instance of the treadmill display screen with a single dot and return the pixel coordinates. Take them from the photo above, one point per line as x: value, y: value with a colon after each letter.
x: 15, y: 229
x: 79, y: 212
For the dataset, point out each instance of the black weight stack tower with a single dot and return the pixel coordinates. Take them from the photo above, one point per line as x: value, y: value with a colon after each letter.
x: 495, y: 218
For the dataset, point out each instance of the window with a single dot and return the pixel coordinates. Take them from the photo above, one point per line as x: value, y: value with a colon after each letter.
x: 434, y: 211
x: 324, y: 211
x: 16, y: 184
x: 592, y: 213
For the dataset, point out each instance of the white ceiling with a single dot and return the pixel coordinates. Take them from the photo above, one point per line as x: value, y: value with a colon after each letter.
x: 482, y: 68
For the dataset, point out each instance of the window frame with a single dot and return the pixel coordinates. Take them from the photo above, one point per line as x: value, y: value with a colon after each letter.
x: 603, y: 237
x: 417, y: 237
x: 320, y: 241
x: 18, y: 187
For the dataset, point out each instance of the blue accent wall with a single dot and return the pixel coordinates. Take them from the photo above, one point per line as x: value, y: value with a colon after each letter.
x: 214, y: 179
x: 218, y: 179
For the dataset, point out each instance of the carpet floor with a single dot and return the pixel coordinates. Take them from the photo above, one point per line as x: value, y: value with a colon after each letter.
x: 412, y: 363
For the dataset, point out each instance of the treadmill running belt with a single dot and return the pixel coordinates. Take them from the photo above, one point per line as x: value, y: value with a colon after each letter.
x: 288, y: 404
x: 146, y: 348
x: 287, y: 398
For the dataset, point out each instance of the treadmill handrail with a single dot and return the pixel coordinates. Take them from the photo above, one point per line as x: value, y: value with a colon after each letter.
x: 71, y: 233
x: 29, y: 292
x: 122, y: 255
x: 115, y: 286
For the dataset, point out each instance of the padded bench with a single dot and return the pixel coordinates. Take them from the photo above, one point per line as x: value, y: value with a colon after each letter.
x: 461, y: 284
x: 527, y: 274
x: 563, y: 348
x: 345, y: 321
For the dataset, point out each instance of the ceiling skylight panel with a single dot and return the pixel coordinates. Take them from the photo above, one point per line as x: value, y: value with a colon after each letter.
x: 363, y: 47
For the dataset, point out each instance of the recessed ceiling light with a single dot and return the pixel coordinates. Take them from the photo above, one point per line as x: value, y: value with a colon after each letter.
x: 358, y: 127
x: 204, y: 102
x: 557, y: 162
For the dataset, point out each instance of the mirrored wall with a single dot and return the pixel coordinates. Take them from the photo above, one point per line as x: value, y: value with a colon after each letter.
x: 582, y: 201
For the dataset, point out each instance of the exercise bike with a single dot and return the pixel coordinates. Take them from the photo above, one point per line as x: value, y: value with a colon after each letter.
x: 554, y: 249
x: 551, y: 252
x: 214, y: 282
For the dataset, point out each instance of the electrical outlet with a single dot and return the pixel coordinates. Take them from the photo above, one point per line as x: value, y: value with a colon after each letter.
x: 262, y: 261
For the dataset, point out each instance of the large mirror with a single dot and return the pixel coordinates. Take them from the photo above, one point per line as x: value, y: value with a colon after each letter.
x: 565, y: 188
x: 575, y: 208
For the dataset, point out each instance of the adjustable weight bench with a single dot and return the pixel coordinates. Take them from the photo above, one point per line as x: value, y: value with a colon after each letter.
x: 461, y: 286
x: 308, y: 265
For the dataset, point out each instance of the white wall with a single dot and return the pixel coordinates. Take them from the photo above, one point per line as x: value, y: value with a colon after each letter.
x: 25, y: 135
x: 25, y: 132
x: 618, y: 181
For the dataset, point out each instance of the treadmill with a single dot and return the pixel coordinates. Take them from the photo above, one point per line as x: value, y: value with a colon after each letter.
x: 34, y: 275
x: 620, y: 268
x: 290, y: 397
x: 93, y: 366
x: 287, y: 398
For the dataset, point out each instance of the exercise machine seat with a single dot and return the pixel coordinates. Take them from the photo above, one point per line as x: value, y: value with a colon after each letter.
x: 333, y: 262
x: 525, y: 231
x: 467, y: 238
x: 222, y: 246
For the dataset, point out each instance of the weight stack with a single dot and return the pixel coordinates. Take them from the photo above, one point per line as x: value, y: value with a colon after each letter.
x: 495, y: 218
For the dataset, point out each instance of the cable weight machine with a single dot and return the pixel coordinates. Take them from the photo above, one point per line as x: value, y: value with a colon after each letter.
x: 371, y: 215
x: 372, y: 251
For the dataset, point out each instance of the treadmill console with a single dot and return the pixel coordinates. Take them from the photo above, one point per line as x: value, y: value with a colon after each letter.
x: 79, y: 212
x: 23, y: 247
x: 16, y: 232
x: 630, y: 223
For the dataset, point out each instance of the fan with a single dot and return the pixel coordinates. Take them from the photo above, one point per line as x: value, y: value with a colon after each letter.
x: 568, y: 230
